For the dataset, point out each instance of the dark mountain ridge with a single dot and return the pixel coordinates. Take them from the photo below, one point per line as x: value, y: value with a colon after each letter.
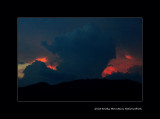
x: 83, y: 90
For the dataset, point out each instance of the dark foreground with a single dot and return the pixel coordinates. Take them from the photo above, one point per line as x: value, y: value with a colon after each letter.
x: 83, y: 90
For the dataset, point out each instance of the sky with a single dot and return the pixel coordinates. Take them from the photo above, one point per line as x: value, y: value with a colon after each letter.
x: 55, y: 50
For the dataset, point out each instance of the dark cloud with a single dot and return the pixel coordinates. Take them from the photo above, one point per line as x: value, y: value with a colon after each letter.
x: 129, y: 36
x: 136, y: 69
x: 38, y: 72
x: 134, y: 73
x: 85, y: 51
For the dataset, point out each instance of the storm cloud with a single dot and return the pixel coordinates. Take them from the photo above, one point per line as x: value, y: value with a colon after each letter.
x: 38, y: 72
x: 85, y: 51
x: 134, y: 73
x: 83, y: 47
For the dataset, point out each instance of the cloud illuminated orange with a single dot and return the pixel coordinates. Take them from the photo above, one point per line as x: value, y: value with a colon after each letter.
x: 45, y: 60
x: 122, y: 63
x: 108, y: 71
x: 53, y: 67
x: 128, y: 56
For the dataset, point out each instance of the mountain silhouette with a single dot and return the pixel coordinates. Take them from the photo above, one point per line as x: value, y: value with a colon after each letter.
x: 83, y: 90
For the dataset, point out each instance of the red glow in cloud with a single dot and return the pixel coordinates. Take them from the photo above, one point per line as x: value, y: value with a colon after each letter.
x: 121, y: 63
x: 128, y: 57
x: 108, y: 71
x: 52, y: 67
x: 45, y: 60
